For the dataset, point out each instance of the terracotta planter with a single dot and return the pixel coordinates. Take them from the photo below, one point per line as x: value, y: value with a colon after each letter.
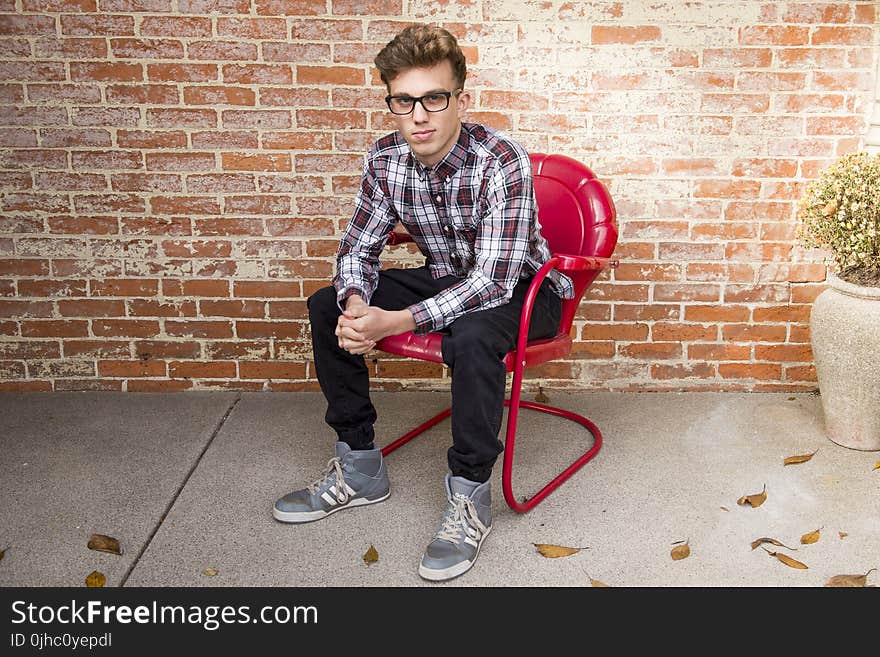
x: 845, y: 333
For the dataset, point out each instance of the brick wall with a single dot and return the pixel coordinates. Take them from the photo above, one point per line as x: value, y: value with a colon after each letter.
x: 174, y: 175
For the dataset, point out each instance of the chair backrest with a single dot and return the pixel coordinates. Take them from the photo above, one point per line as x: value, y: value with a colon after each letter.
x: 577, y: 217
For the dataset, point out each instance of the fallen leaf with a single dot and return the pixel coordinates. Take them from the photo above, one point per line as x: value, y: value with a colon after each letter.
x: 3, y: 553
x: 541, y: 397
x: 680, y: 551
x: 876, y: 466
x: 103, y: 543
x: 842, y: 535
x: 765, y: 539
x: 555, y: 551
x: 95, y: 580
x: 755, y: 500
x: 210, y: 572
x: 371, y: 556
x: 801, y: 458
x: 596, y: 583
x: 724, y: 508
x: 810, y: 537
x: 787, y: 560
x: 849, y: 580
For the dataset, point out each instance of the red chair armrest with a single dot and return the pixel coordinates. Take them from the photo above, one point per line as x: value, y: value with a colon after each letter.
x: 583, y: 263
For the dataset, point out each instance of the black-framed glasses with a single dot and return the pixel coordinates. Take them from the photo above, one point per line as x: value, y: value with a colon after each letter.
x: 436, y: 101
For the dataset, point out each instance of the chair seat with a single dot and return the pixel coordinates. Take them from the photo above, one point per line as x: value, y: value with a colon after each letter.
x: 427, y: 347
x: 578, y: 220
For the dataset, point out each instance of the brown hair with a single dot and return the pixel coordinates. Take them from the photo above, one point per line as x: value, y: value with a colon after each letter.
x: 421, y: 46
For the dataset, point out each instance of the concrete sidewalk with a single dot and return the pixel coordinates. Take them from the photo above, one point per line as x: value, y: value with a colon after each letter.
x: 186, y: 482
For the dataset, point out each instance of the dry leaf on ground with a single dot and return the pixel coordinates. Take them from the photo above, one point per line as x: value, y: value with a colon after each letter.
x: 210, y: 572
x: 95, y: 580
x: 810, y: 537
x: 103, y: 543
x: 772, y: 541
x: 555, y: 551
x: 371, y: 555
x: 876, y: 466
x: 680, y: 551
x: 755, y: 500
x: 842, y: 535
x: 787, y: 560
x: 3, y: 553
x: 596, y: 583
x: 849, y: 580
x: 540, y: 397
x: 800, y: 458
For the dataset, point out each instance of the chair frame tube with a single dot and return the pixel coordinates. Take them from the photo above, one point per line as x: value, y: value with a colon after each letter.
x: 514, y: 403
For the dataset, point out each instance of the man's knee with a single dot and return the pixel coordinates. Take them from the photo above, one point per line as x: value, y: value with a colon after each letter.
x: 322, y: 306
x: 472, y: 338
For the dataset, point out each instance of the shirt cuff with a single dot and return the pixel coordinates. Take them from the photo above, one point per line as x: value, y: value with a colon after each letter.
x: 343, y: 294
x: 425, y: 314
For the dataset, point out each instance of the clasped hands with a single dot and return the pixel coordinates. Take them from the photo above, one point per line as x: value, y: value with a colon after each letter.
x: 361, y: 326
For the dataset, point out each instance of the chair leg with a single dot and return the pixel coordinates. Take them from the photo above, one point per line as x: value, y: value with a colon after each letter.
x: 514, y: 404
x: 577, y: 464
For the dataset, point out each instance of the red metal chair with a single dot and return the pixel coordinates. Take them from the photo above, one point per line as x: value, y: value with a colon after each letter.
x: 578, y: 219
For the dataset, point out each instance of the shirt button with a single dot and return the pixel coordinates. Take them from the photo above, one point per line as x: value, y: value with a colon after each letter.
x: 438, y: 198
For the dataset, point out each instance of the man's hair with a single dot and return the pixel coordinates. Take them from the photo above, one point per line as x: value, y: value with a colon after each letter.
x: 421, y: 46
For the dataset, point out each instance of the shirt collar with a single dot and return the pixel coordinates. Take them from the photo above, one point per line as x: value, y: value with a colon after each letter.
x: 455, y: 159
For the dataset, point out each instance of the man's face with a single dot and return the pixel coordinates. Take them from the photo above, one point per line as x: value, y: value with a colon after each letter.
x: 430, y: 135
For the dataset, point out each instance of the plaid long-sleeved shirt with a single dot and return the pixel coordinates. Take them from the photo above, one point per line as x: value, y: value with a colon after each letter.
x: 473, y: 215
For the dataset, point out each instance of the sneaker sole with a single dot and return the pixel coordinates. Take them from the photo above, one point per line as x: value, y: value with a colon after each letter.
x: 310, y: 516
x: 437, y: 575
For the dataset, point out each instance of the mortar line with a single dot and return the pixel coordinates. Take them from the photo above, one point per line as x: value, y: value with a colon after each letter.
x: 179, y: 490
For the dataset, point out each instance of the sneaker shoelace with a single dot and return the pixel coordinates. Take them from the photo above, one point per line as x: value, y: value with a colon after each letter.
x: 458, y: 519
x: 334, y: 466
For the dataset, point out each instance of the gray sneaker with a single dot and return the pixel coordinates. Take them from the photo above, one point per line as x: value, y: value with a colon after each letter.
x: 466, y: 522
x: 353, y: 478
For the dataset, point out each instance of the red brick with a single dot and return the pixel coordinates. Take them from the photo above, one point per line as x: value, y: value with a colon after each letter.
x: 683, y: 371
x: 712, y: 351
x: 55, y: 329
x: 183, y: 72
x: 223, y: 51
x: 131, y: 368
x: 11, y: 25
x: 180, y: 161
x: 258, y: 74
x: 199, y: 329
x: 238, y: 350
x: 602, y: 34
x: 228, y: 226
x: 762, y: 371
x: 262, y: 162
x: 226, y: 139
x: 154, y: 308
x: 147, y: 385
x: 146, y: 349
x: 144, y: 94
x: 114, y: 72
x: 17, y: 309
x: 269, y: 329
x: 271, y: 370
x: 218, y: 95
x: 233, y: 308
x: 147, y: 48
x: 201, y: 370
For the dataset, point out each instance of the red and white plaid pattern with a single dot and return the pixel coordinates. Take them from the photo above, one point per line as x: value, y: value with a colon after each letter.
x: 481, y: 191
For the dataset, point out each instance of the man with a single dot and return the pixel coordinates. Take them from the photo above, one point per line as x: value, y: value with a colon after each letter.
x: 464, y: 193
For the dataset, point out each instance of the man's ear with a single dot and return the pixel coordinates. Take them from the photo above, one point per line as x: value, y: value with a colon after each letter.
x: 464, y: 101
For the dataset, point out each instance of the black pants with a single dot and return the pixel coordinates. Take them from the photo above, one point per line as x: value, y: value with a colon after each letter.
x: 473, y: 346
